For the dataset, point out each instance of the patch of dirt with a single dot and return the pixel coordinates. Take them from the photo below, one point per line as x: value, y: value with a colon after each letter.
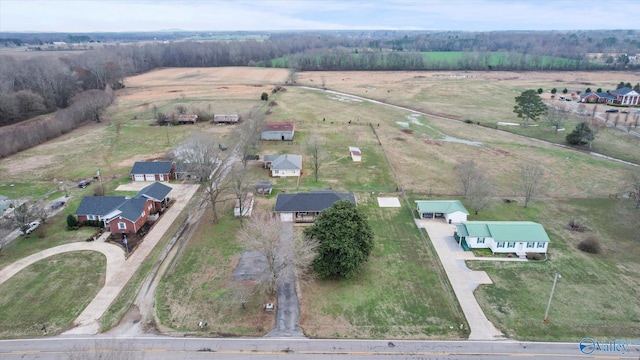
x: 399, y: 139
x: 407, y: 131
x: 432, y: 142
x: 145, y: 157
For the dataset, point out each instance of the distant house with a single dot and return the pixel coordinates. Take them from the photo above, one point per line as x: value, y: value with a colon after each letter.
x: 282, y: 130
x: 355, y: 153
x: 451, y: 210
x: 596, y: 97
x: 153, y: 171
x: 283, y: 165
x: 305, y: 207
x: 187, y: 119
x: 518, y: 237
x: 225, y: 119
x: 263, y: 188
x: 247, y: 206
x: 626, y: 96
x: 124, y: 215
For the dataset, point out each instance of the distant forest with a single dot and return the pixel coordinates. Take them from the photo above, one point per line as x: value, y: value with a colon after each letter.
x: 35, y: 85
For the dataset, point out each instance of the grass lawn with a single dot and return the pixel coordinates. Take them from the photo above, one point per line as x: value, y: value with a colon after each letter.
x: 596, y: 296
x: 50, y: 292
x: 397, y: 293
x: 200, y: 287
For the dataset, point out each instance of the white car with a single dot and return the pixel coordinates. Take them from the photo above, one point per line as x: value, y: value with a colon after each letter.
x: 32, y: 226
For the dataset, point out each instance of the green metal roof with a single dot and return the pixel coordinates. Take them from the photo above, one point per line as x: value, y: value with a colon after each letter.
x: 440, y: 206
x: 505, y: 231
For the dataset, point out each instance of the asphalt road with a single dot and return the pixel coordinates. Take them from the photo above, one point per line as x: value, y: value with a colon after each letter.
x: 162, y: 348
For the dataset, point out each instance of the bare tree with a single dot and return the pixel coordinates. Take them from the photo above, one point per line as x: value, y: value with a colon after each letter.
x: 323, y: 82
x: 467, y: 171
x: 317, y: 157
x: 633, y: 185
x: 531, y: 180
x: 27, y: 212
x: 247, y: 134
x: 481, y: 193
x: 241, y: 190
x: 241, y: 292
x: 262, y: 234
x: 556, y: 116
x: 203, y: 159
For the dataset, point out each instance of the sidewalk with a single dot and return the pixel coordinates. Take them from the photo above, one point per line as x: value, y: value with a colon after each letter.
x: 463, y: 281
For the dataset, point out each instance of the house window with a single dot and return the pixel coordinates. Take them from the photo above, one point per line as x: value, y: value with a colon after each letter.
x: 480, y: 240
x: 91, y: 217
x: 122, y: 226
x: 500, y: 244
x: 530, y: 244
x: 275, y: 171
x: 511, y: 245
x: 540, y: 245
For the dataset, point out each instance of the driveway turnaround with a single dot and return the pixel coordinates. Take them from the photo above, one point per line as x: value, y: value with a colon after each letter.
x: 463, y: 280
x: 119, y: 270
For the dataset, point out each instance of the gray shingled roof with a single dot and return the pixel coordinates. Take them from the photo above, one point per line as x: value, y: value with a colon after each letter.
x: 156, y: 191
x: 132, y: 208
x: 99, y: 205
x: 312, y: 201
x: 622, y: 91
x: 151, y: 167
x: 284, y: 162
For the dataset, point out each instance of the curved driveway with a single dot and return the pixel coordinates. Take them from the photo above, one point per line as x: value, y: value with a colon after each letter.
x: 119, y: 269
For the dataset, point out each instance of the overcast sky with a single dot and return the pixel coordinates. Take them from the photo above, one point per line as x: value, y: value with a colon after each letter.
x: 226, y: 15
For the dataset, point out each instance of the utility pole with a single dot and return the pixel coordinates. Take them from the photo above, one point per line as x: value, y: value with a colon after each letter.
x: 553, y: 288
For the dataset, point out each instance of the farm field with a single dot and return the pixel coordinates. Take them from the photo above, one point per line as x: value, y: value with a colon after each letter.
x: 399, y: 295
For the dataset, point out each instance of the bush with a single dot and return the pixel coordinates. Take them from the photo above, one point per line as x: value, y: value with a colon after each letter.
x: 72, y: 221
x: 264, y: 96
x: 576, y: 225
x: 590, y: 245
x: 93, y: 223
x: 534, y: 256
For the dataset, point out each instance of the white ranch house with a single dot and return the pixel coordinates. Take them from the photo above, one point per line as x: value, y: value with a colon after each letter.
x: 283, y: 165
x: 518, y: 237
x: 451, y: 210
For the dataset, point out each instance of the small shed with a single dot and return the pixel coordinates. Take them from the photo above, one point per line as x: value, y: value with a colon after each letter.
x: 356, y: 154
x: 263, y: 188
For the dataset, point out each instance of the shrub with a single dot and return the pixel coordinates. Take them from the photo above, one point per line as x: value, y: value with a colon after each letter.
x: 576, y: 225
x: 534, y: 256
x: 264, y: 96
x: 72, y: 221
x: 590, y: 245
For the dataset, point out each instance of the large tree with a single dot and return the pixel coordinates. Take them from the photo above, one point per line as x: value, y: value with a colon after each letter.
x: 345, y: 240
x: 529, y: 105
x: 582, y: 134
x: 316, y: 155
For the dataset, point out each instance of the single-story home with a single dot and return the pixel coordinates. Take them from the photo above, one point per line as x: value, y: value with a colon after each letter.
x: 225, y: 119
x: 451, y: 210
x: 247, y: 206
x: 278, y: 130
x: 518, y: 237
x: 283, y: 165
x: 356, y: 154
x: 153, y: 171
x: 187, y: 119
x: 121, y: 214
x: 305, y: 207
x: 596, y: 97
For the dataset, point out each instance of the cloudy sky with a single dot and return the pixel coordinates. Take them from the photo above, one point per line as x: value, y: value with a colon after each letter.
x: 228, y: 15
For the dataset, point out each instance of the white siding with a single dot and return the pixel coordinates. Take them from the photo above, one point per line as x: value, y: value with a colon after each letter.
x: 139, y: 177
x: 456, y: 217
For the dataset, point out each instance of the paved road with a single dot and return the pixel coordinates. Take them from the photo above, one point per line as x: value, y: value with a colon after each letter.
x: 158, y: 347
x: 288, y: 311
x: 463, y: 281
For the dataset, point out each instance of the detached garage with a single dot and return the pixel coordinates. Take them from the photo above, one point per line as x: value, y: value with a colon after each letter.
x: 153, y: 171
x: 451, y: 210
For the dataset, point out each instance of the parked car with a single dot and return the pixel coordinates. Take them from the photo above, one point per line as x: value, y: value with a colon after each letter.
x: 222, y: 147
x: 611, y: 111
x: 32, y: 226
x: 84, y: 183
x: 57, y: 205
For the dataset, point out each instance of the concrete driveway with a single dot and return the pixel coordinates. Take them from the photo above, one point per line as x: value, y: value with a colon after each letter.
x: 119, y: 269
x: 463, y: 280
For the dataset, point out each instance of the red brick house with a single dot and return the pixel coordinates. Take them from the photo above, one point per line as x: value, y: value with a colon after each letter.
x: 124, y: 215
x: 626, y: 96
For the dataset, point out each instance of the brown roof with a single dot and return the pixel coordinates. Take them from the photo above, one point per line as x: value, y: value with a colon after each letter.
x: 187, y: 117
x: 279, y: 126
